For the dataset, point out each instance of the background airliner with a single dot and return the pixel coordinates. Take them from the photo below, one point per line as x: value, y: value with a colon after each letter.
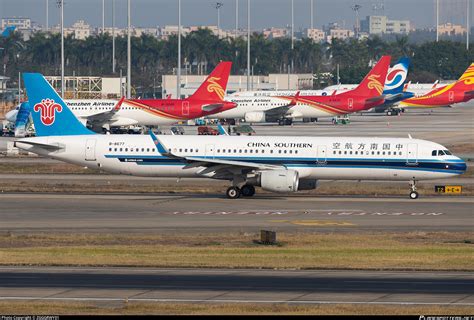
x: 278, y: 108
x: 277, y: 164
x: 460, y: 91
x: 98, y: 114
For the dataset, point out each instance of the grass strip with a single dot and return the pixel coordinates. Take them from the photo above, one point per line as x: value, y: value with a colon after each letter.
x: 383, y: 251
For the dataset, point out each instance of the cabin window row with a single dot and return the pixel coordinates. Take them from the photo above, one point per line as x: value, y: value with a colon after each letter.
x: 389, y: 153
x: 262, y: 151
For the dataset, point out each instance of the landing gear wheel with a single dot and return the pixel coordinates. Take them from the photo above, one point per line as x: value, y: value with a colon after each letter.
x: 413, y: 193
x: 288, y: 122
x: 281, y: 122
x: 389, y: 113
x: 233, y: 193
x: 247, y: 190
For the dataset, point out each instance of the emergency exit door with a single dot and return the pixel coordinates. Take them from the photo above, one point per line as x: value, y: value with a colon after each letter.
x: 90, y: 149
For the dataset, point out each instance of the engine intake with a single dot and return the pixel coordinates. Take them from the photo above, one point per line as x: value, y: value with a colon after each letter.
x: 279, y: 180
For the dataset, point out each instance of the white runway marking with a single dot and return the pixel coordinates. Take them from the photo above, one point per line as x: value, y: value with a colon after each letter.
x: 236, y: 301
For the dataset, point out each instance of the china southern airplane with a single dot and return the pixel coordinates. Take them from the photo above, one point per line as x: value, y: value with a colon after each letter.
x: 274, y: 163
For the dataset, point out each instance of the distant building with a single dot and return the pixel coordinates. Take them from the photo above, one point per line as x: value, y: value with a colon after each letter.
x: 79, y: 30
x: 275, y: 33
x: 341, y: 33
x: 449, y: 29
x: 317, y: 35
x: 382, y: 25
x: 165, y: 32
x: 19, y: 23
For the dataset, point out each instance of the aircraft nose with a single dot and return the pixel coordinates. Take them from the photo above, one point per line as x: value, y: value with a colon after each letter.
x: 460, y: 165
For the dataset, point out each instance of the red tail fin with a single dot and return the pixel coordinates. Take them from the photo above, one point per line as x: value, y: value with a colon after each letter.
x: 373, y: 83
x: 215, y: 85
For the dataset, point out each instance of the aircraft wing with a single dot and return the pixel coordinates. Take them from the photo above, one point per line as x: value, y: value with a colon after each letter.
x: 98, y: 119
x: 216, y: 168
x: 282, y: 110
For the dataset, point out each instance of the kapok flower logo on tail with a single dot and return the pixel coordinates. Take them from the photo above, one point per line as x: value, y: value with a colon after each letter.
x: 48, y: 109
x: 213, y: 86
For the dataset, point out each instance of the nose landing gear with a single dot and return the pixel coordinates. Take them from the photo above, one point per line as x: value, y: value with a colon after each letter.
x: 413, y: 193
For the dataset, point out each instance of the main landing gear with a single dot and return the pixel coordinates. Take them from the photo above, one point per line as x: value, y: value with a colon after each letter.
x: 413, y: 193
x: 247, y: 190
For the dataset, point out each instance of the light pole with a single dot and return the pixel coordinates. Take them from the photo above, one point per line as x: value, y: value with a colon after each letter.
x: 60, y: 4
x: 103, y: 16
x: 236, y: 18
x: 129, y: 53
x: 467, y: 23
x: 248, y: 45
x: 178, y: 75
x: 218, y: 6
x: 47, y: 15
x: 113, y: 37
x: 292, y: 23
x: 437, y: 20
x: 312, y: 12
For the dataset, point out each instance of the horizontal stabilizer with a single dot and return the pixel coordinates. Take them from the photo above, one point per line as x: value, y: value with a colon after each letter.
x: 374, y: 99
x: 50, y: 147
x: 212, y: 107
x: 392, y: 97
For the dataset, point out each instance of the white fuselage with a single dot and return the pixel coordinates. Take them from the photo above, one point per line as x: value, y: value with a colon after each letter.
x: 351, y: 158
x: 252, y: 103
x: 127, y: 115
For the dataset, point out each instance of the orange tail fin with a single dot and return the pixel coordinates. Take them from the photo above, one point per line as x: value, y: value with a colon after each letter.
x: 215, y: 85
x: 373, y: 83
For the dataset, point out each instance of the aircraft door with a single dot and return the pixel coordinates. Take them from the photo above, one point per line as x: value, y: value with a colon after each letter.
x: 210, y: 151
x: 322, y: 158
x: 412, y: 154
x: 451, y: 96
x: 350, y: 103
x: 90, y: 150
x: 185, y: 106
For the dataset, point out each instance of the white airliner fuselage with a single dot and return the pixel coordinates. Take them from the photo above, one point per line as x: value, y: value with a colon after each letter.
x: 278, y: 164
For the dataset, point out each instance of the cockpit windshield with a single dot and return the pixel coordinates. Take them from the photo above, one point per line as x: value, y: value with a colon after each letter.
x: 441, y: 153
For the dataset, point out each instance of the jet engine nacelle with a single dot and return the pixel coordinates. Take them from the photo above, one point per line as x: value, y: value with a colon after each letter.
x: 307, y: 184
x: 279, y: 180
x: 255, y: 116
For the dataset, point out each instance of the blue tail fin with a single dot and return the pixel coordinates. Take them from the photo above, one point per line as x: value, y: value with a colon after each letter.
x: 8, y: 30
x: 22, y: 118
x: 51, y: 116
x: 397, y: 76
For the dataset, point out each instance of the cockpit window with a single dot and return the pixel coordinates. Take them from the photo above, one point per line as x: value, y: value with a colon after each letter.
x: 434, y: 153
x: 440, y: 153
x: 448, y: 153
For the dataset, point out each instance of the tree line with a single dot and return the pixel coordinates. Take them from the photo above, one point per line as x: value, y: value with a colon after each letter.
x: 202, y: 50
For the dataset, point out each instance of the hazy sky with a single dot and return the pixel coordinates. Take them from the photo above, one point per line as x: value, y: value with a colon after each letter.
x: 265, y: 13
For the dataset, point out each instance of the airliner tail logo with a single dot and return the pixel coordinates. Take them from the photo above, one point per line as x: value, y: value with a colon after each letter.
x: 48, y: 109
x: 213, y: 86
x: 468, y: 75
x: 374, y: 83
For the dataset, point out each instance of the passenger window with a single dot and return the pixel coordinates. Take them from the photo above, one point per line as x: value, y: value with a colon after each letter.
x: 251, y: 151
x: 340, y: 152
x: 181, y: 150
x: 115, y: 149
x: 143, y: 149
x: 263, y: 151
x: 345, y: 152
x: 296, y: 151
x: 279, y: 151
x: 256, y: 151
x: 185, y: 150
x: 110, y: 149
x: 147, y: 149
x: 120, y: 149
x: 271, y: 151
x: 378, y: 152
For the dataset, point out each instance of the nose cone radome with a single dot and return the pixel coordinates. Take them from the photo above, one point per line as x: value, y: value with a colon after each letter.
x: 460, y: 166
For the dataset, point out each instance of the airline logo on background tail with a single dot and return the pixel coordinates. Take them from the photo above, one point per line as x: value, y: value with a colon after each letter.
x: 48, y: 109
x: 468, y: 75
x: 397, y: 74
x: 213, y: 86
x: 374, y: 83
